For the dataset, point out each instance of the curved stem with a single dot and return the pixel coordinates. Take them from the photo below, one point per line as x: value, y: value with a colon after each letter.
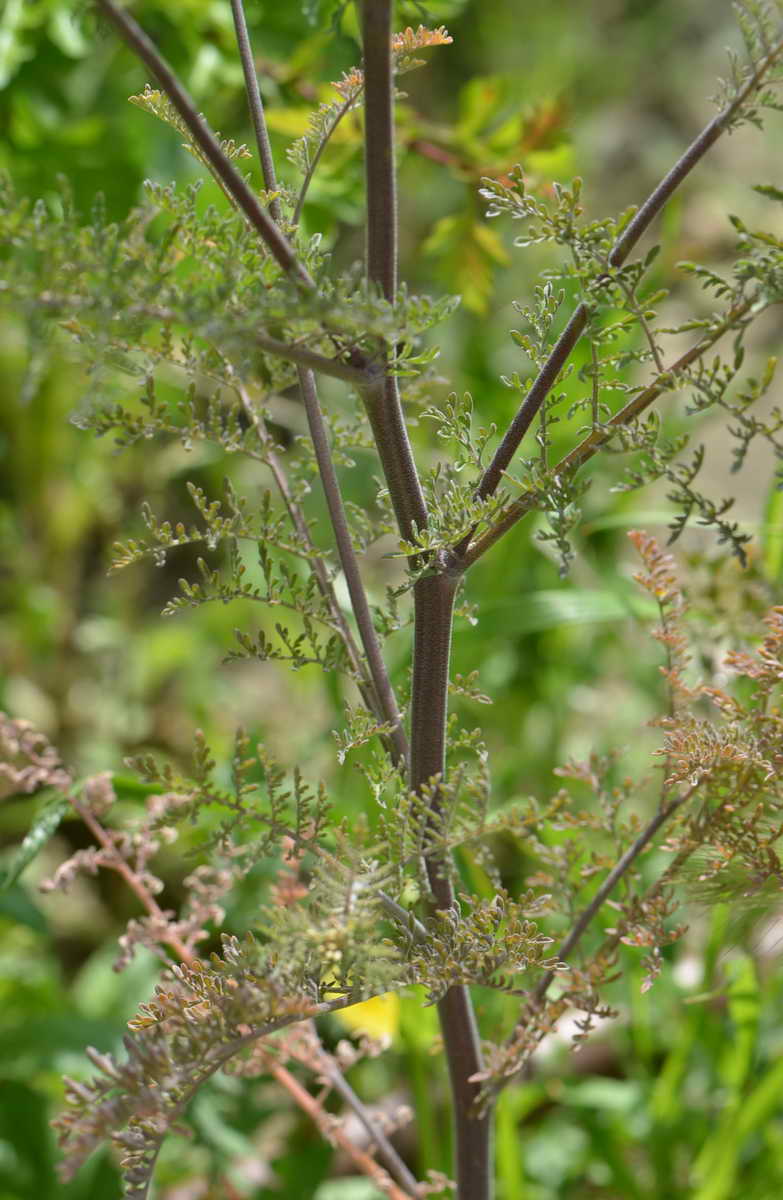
x: 338, y: 116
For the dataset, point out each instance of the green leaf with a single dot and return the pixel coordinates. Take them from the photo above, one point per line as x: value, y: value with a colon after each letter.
x: 16, y: 906
x: 772, y: 536
x: 468, y: 253
x: 744, y: 1004
x: 13, y: 50
x: 550, y: 608
x: 29, y: 1170
x: 49, y: 817
x: 768, y: 190
x: 356, y: 1188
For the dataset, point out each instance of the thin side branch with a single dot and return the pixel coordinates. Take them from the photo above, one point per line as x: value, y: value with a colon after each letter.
x: 338, y: 116
x: 256, y: 106
x: 331, y: 1130
x: 617, y: 256
x: 622, y: 866
x: 299, y: 523
x: 528, y: 410
x: 135, y: 37
x: 405, y: 919
x: 383, y: 703
x: 386, y: 703
x: 591, y: 444
x: 311, y: 360
x: 583, y: 922
x: 333, y: 1075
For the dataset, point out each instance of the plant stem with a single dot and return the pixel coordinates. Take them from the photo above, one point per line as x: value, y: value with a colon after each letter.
x: 386, y: 703
x: 620, y: 251
x: 135, y: 37
x: 338, y: 116
x: 256, y: 106
x: 590, y: 445
x: 607, y: 887
x: 379, y: 146
x: 434, y: 592
x: 581, y: 925
x: 434, y: 602
x: 335, y: 367
x: 326, y: 1065
x: 332, y: 1132
x: 384, y: 410
x: 382, y: 396
x: 369, y: 693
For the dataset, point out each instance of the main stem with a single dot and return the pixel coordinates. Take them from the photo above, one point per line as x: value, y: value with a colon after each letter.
x: 434, y: 594
x: 433, y: 607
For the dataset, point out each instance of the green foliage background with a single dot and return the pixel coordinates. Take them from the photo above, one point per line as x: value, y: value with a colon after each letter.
x: 683, y: 1095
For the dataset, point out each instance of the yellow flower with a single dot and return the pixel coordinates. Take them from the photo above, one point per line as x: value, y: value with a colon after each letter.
x: 378, y: 1017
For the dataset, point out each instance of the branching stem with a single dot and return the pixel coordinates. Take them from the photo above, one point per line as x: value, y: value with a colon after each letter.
x: 591, y: 444
x: 620, y: 251
x: 311, y: 359
x: 386, y: 704
x: 433, y: 592
x: 321, y: 571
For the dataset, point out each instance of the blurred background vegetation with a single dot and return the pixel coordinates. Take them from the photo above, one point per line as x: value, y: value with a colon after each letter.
x: 683, y: 1094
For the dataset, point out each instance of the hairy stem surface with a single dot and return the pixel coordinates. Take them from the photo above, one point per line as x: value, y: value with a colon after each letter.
x: 433, y: 593
x: 434, y: 603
